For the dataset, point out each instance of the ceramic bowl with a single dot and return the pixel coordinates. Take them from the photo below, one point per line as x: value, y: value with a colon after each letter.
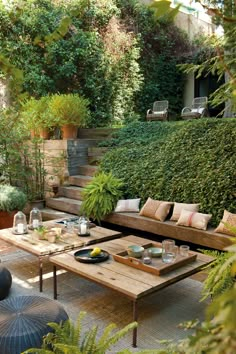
x: 155, y: 251
x: 135, y: 251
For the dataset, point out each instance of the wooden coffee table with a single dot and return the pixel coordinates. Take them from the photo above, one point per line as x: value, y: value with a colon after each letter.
x: 42, y: 248
x: 128, y: 281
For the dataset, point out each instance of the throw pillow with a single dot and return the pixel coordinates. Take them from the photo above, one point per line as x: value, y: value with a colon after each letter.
x: 194, y: 219
x: 127, y: 205
x: 178, y: 207
x: 156, y: 209
x: 228, y: 219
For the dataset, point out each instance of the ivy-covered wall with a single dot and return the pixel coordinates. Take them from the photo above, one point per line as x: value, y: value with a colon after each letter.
x: 114, y: 52
x: 190, y: 161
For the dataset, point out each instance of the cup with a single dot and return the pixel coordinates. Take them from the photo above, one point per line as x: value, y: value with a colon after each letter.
x: 70, y: 227
x: 147, y: 256
x: 169, y: 251
x: 184, y: 250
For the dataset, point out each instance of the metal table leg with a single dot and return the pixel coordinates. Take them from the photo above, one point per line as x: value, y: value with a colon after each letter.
x: 135, y: 318
x: 40, y: 274
x: 55, y: 282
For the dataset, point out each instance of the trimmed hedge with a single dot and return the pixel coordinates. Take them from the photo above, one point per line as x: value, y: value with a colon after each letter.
x: 190, y: 161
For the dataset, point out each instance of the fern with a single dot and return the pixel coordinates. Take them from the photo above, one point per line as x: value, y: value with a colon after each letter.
x: 66, y: 338
x: 220, y: 276
x: 101, y: 195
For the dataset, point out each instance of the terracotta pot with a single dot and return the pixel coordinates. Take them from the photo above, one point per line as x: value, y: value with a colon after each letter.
x: 44, y: 133
x: 69, y: 131
x: 33, y: 134
x: 6, y: 219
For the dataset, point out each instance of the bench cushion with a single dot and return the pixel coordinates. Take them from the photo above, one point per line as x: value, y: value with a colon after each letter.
x: 193, y: 219
x: 228, y: 219
x: 156, y: 209
x: 178, y: 207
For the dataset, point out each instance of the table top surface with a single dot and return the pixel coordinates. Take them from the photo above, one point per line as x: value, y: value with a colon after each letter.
x: 131, y: 282
x: 30, y: 242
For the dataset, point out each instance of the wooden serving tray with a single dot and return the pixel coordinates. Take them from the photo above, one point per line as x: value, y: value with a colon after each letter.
x: 157, y: 267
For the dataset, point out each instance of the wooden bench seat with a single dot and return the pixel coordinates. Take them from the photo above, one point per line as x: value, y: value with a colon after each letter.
x: 208, y: 238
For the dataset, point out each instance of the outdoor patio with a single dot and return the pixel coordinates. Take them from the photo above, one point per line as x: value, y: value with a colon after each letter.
x: 159, y: 314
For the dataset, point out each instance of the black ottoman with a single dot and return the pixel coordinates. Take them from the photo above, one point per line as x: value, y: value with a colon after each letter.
x: 23, y: 322
x: 5, y: 282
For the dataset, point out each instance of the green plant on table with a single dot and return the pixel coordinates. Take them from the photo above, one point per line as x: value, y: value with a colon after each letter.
x: 68, y: 339
x: 101, y: 195
x: 11, y: 198
x: 69, y: 109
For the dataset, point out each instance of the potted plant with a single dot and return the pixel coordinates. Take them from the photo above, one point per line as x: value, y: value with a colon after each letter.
x: 12, y: 199
x: 70, y: 111
x: 36, y: 117
x: 101, y: 195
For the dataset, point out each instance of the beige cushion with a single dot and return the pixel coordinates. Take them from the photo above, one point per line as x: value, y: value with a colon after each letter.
x: 228, y: 219
x: 194, y: 219
x: 127, y: 205
x: 156, y: 209
x: 178, y: 207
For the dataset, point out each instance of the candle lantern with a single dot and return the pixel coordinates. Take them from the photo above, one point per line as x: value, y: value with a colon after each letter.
x: 20, y: 224
x: 35, y: 220
x: 83, y: 229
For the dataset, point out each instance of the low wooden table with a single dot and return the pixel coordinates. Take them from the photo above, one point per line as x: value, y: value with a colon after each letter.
x: 43, y: 248
x: 128, y: 281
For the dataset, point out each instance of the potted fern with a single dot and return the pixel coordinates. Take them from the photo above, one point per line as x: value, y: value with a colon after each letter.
x: 12, y: 200
x: 101, y: 195
x: 70, y: 111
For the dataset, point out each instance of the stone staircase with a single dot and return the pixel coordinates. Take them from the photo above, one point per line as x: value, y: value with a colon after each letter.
x: 69, y: 199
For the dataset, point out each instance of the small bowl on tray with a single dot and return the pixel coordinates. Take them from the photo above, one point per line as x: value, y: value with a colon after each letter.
x: 135, y: 251
x: 155, y: 251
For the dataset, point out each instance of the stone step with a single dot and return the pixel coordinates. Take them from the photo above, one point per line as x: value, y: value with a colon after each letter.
x: 72, y: 192
x: 52, y: 214
x: 67, y: 205
x: 80, y: 180
x: 87, y: 170
x: 95, y: 133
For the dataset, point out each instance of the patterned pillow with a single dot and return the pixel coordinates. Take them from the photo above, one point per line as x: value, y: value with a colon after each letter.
x: 228, y: 219
x: 194, y: 219
x: 178, y: 207
x: 127, y: 205
x: 156, y: 209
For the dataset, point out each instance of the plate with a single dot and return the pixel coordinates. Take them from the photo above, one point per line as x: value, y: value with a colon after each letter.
x: 156, y: 251
x: 84, y: 256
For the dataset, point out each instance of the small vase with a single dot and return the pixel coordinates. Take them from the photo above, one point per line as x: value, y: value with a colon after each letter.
x: 69, y: 131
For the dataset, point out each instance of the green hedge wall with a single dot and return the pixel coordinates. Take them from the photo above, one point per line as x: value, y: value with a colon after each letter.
x: 190, y: 161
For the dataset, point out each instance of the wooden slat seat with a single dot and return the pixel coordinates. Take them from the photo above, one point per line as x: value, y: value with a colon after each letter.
x: 208, y: 238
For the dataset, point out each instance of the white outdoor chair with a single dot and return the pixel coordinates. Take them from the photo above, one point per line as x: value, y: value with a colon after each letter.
x: 198, y: 109
x: 159, y: 111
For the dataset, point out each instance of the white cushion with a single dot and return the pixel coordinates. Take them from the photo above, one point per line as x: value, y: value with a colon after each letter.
x: 178, y: 207
x: 194, y: 219
x: 127, y: 205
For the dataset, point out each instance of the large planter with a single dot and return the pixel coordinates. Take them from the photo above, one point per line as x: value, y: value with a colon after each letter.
x: 6, y: 219
x: 69, y: 131
x: 44, y: 134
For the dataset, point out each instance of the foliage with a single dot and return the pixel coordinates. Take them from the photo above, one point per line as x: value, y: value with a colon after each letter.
x: 190, y: 161
x: 69, y: 109
x: 11, y: 198
x: 68, y: 339
x: 223, y: 62
x: 35, y: 114
x: 101, y: 195
x: 102, y: 50
x: 219, y: 278
x: 162, y: 47
x: 21, y: 164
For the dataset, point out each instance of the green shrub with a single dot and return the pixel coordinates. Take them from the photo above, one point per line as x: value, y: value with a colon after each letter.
x: 191, y: 161
x: 11, y: 198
